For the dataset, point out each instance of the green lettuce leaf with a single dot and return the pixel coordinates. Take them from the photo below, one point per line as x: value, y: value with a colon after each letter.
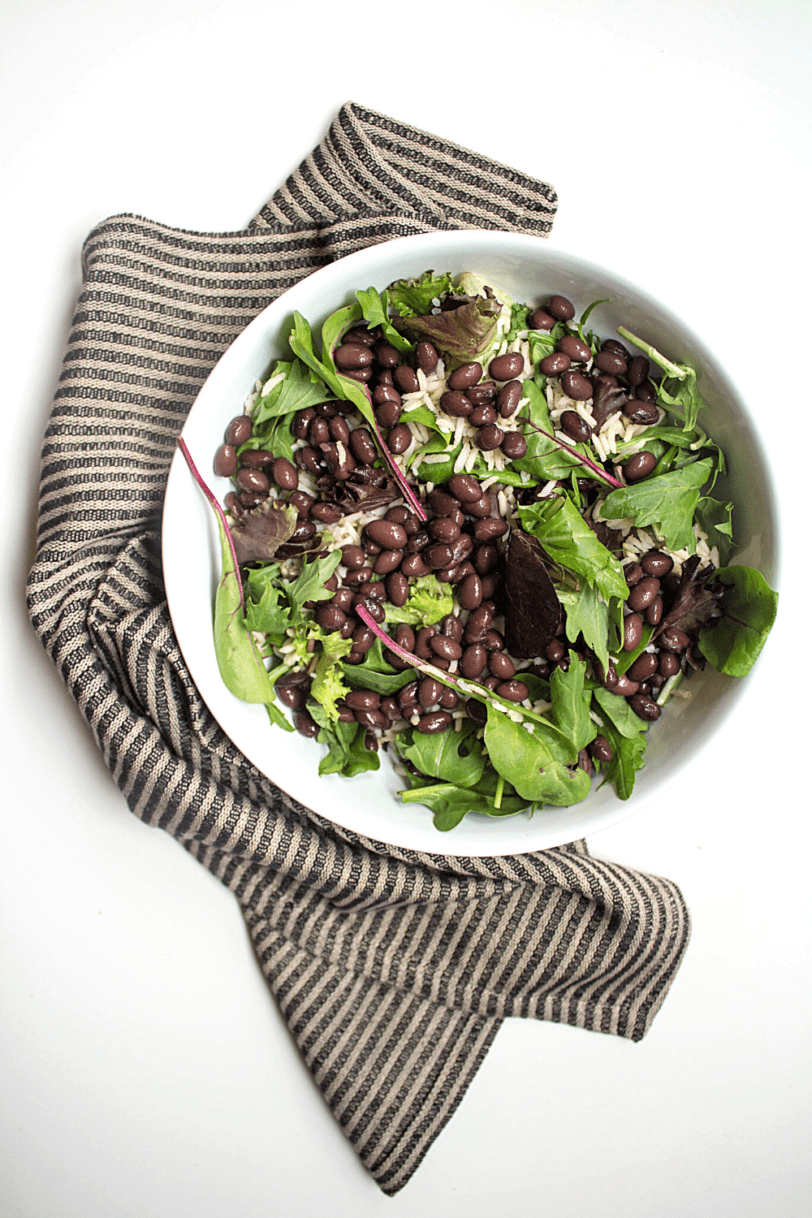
x: 733, y: 643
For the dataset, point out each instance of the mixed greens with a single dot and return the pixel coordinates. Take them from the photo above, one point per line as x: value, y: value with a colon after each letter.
x: 287, y: 631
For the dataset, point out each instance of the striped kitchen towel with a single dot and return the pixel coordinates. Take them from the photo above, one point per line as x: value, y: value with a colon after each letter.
x: 393, y: 969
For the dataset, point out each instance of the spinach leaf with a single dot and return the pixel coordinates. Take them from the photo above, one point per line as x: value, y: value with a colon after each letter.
x: 451, y: 756
x: 749, y: 605
x: 451, y: 803
x: 618, y: 712
x: 569, y: 541
x: 238, y: 657
x: 527, y: 762
x: 667, y: 501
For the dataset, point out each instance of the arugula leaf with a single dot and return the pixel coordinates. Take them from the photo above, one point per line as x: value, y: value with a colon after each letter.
x: 300, y: 389
x: 588, y: 615
x: 375, y: 307
x: 678, y: 390
x: 627, y: 759
x: 733, y: 643
x: 714, y: 518
x: 569, y: 541
x: 667, y: 501
x: 376, y: 673
x: 571, y: 702
x: 347, y: 755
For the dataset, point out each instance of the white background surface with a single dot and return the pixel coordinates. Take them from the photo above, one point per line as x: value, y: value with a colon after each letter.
x: 145, y: 1068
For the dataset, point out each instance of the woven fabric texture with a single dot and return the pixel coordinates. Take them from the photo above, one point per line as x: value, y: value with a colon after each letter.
x: 392, y: 969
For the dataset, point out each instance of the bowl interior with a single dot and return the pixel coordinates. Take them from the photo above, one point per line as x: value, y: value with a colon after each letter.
x: 529, y: 269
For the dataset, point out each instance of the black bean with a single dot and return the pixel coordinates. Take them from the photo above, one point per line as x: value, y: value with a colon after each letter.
x: 646, y: 392
x: 669, y: 664
x: 443, y: 504
x: 611, y: 362
x: 480, y: 509
x: 654, y: 612
x: 643, y: 667
x: 350, y: 356
x: 641, y: 412
x: 513, y: 691
x: 508, y: 398
x: 406, y: 379
x: 643, y: 594
x: 225, y: 461
x: 326, y: 513
x: 408, y: 696
x: 363, y: 699
x: 285, y: 474
x: 387, y: 562
x: 489, y: 437
x: 575, y: 426
x: 414, y: 565
x: 253, y: 480
x: 560, y: 308
x: 307, y: 458
x: 428, y: 691
x: 576, y: 386
x: 674, y: 639
x: 656, y: 562
x: 426, y: 356
x: 329, y: 616
x: 456, y: 404
x: 386, y: 355
x: 399, y: 438
x: 365, y: 337
x: 446, y: 647
x: 470, y: 591
x: 637, y: 370
x: 239, y: 430
x: 506, y: 367
x: 490, y: 529
x: 639, y: 466
x: 438, y: 721
x: 483, y: 394
x: 362, y: 446
x: 305, y: 725
x: 397, y: 588
x: 482, y: 415
x: 301, y: 422
x: 256, y: 458
x: 500, y: 665
x: 465, y: 376
x: 625, y: 687
x: 645, y: 707
x: 575, y: 348
x: 632, y: 631
x: 343, y: 597
x: 601, y: 749
x: 555, y: 364
x: 233, y: 505
x: 293, y: 696
x: 540, y: 319
x: 387, y: 534
x: 388, y: 414
x: 633, y: 574
x: 352, y: 557
x: 464, y: 487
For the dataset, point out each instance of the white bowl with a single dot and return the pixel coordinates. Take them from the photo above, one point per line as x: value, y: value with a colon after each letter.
x: 529, y: 269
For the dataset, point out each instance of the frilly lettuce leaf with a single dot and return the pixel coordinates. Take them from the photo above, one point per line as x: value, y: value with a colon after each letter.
x: 462, y: 334
x: 415, y: 297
